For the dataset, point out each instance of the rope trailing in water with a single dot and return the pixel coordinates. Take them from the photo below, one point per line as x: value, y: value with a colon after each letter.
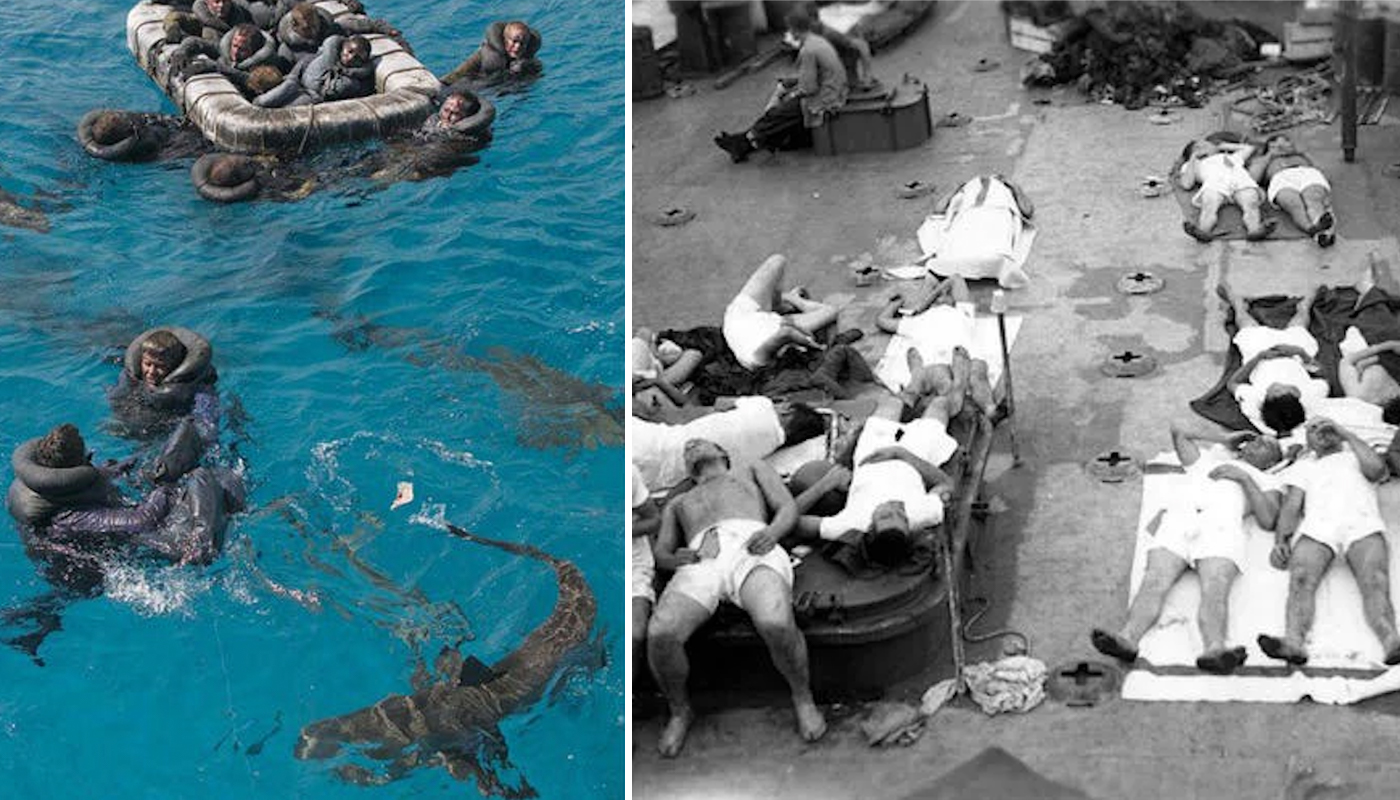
x: 310, y: 123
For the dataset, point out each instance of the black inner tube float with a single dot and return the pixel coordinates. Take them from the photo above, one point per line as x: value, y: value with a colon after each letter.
x: 242, y: 186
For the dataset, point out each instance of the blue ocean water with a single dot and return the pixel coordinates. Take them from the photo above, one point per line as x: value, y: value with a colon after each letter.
x: 461, y: 334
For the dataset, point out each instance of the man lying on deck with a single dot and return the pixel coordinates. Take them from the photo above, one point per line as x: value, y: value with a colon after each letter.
x: 1205, y: 532
x: 941, y: 312
x: 896, y: 483
x: 1296, y: 186
x: 1275, y: 384
x: 1218, y: 169
x: 754, y: 327
x: 659, y: 369
x: 721, y: 543
x: 1359, y: 370
x: 748, y: 427
x: 1330, y: 509
x: 642, y: 578
x: 983, y: 221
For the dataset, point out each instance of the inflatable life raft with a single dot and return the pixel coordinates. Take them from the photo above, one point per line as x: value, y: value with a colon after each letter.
x: 403, y: 98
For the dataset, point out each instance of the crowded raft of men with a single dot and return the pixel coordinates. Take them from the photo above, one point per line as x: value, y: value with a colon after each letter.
x: 289, y: 54
x: 1308, y: 408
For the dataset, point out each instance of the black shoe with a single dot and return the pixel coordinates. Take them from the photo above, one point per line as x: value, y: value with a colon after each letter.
x: 737, y: 145
x: 848, y: 336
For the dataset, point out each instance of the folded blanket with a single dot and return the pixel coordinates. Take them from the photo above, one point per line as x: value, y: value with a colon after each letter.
x: 1333, y: 311
x: 1345, y: 656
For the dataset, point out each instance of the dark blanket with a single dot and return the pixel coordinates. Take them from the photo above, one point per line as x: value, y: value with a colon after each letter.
x: 832, y: 371
x: 1333, y: 311
x: 1230, y: 221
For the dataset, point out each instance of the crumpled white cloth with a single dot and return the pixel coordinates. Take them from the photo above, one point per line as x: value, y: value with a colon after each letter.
x: 1014, y: 683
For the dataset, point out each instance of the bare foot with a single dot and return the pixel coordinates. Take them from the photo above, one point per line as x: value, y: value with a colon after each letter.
x: 1275, y: 647
x: 1392, y: 652
x: 1196, y: 233
x: 1222, y: 661
x: 673, y: 737
x: 1262, y: 232
x: 1112, y: 645
x: 796, y: 295
x: 810, y: 722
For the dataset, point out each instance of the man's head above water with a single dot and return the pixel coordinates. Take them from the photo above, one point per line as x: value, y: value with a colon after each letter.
x: 61, y: 447
x: 161, y: 353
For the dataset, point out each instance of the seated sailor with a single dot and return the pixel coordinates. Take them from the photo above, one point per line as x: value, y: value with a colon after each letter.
x: 799, y: 103
x: 341, y: 70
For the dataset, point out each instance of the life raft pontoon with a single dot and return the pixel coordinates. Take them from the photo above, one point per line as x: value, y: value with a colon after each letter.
x: 403, y: 98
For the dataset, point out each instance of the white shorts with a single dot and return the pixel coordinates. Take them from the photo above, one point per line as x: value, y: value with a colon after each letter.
x: 1340, y: 534
x: 1224, y: 178
x: 884, y: 481
x: 720, y: 578
x: 1297, y: 179
x: 747, y: 328
x: 1212, y: 531
x: 643, y: 572
x: 1255, y: 339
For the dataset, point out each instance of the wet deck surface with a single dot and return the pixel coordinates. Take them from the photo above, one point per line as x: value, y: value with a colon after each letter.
x: 1058, y: 559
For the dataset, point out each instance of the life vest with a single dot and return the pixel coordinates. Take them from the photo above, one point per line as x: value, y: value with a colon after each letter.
x: 38, y: 492
x: 493, y: 50
x: 148, y: 409
x: 266, y: 54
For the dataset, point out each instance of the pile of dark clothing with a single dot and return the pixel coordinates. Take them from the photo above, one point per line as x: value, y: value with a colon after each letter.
x: 833, y: 371
x: 1136, y: 54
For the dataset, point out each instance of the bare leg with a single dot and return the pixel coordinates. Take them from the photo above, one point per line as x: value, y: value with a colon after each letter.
x: 961, y: 367
x: 1305, y: 569
x: 1217, y: 575
x: 641, y: 612
x: 768, y: 601
x: 1243, y: 319
x: 1303, y: 310
x: 1369, y: 559
x: 765, y: 285
x: 812, y: 317
x: 1163, y: 570
x: 1292, y: 204
x: 930, y: 291
x: 676, y: 618
x: 957, y: 289
x: 925, y: 381
x: 979, y: 388
x: 1210, y: 211
x: 1250, y: 202
x: 1318, y: 202
x: 683, y: 367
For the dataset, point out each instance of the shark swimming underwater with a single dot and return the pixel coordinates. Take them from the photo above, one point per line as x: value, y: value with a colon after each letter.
x: 452, y: 723
x: 14, y: 215
x: 558, y: 409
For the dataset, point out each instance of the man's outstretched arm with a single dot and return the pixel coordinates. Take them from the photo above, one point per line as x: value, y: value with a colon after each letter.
x: 779, y: 500
x: 119, y: 523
